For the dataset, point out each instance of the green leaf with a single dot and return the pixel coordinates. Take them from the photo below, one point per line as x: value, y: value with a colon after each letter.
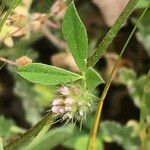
x: 135, y: 85
x: 127, y: 75
x: 124, y: 135
x: 76, y: 37
x: 53, y: 138
x: 93, y: 79
x: 82, y: 142
x: 93, y: 59
x: 143, y: 34
x: 142, y: 4
x: 79, y: 141
x: 46, y: 74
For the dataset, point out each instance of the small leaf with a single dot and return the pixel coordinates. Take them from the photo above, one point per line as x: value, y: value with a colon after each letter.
x: 135, y: 85
x: 93, y: 79
x: 122, y: 135
x: 53, y: 138
x: 46, y: 74
x: 143, y: 33
x: 76, y: 37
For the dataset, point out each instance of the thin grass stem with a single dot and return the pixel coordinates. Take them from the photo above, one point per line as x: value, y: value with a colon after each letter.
x: 94, y: 130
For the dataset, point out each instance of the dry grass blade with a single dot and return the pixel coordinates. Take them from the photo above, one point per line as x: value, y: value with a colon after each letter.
x: 7, y: 13
x: 2, y: 7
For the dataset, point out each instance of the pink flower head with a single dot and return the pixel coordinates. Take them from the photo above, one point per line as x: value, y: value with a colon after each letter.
x: 64, y: 90
x: 56, y: 102
x: 55, y: 109
x: 69, y: 100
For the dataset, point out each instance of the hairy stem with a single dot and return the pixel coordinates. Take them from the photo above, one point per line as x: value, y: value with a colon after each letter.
x: 7, y: 61
x: 27, y: 136
x: 108, y: 83
x: 40, y: 135
x: 112, y: 33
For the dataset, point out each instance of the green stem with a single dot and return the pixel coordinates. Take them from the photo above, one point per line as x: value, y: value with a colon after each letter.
x: 112, y: 33
x: 45, y: 128
x: 27, y: 136
x: 108, y: 83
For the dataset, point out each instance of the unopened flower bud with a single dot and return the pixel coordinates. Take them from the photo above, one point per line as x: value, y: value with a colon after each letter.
x: 55, y: 109
x: 64, y: 90
x: 61, y: 110
x: 22, y: 61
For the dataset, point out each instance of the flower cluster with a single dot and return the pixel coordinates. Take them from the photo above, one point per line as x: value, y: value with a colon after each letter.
x: 72, y: 103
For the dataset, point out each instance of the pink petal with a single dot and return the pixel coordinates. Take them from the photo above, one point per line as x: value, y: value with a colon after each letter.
x: 61, y: 110
x: 55, y: 109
